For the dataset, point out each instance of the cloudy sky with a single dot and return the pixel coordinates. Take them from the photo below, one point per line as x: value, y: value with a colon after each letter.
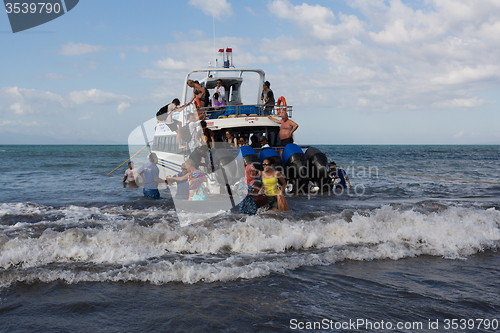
x: 356, y: 71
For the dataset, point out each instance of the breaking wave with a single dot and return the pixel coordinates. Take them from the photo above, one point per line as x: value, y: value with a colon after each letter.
x: 115, y: 243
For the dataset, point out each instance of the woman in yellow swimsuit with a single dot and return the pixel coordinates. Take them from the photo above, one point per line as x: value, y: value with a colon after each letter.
x: 270, y: 178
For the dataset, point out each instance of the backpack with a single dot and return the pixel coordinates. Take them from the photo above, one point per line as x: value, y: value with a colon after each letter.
x: 185, y: 133
x: 161, y: 114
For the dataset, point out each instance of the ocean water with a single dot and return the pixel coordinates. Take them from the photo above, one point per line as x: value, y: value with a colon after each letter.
x: 81, y: 252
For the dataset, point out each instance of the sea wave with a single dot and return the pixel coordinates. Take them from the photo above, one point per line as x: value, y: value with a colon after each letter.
x: 115, y: 243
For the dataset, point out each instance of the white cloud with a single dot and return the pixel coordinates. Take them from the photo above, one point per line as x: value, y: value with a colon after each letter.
x: 7, y: 122
x: 169, y: 64
x: 72, y: 49
x: 122, y: 106
x: 29, y: 101
x: 23, y: 101
x: 86, y: 116
x: 53, y: 76
x: 19, y: 122
x: 123, y: 56
x: 459, y: 134
x: 215, y: 8
x: 317, y: 21
x: 95, y: 96
x: 250, y: 11
x: 462, y: 103
x: 465, y: 74
x: 155, y: 75
x: 400, y: 58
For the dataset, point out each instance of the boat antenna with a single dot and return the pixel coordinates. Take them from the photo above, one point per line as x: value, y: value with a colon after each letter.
x: 215, y: 52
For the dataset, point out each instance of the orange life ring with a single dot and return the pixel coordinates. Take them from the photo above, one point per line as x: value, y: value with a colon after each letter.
x: 281, y: 100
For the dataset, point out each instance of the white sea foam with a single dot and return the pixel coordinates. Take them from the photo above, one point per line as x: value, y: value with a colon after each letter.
x: 224, y: 249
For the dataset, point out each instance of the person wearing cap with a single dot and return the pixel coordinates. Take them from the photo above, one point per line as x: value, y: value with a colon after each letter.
x: 263, y: 142
x: 131, y: 173
x: 267, y: 97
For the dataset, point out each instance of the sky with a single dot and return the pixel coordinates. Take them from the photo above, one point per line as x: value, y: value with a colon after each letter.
x: 355, y: 71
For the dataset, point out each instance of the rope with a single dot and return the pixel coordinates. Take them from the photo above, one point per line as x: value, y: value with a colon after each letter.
x: 130, y: 158
x: 428, y: 176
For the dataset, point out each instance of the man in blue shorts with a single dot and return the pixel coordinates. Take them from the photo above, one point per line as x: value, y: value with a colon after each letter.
x: 151, y: 178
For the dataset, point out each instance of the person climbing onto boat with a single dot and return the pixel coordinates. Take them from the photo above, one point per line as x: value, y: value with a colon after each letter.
x: 151, y: 178
x: 231, y: 140
x: 199, y: 154
x: 249, y: 186
x: 286, y: 129
x: 165, y: 114
x: 194, y: 132
x: 340, y: 176
x: 219, y: 95
x: 196, y: 178
x: 208, y: 134
x: 270, y: 178
x: 267, y: 97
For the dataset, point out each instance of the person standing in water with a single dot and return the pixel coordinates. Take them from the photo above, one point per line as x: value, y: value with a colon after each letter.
x: 270, y: 179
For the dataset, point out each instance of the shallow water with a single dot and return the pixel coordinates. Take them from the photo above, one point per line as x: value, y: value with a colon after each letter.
x: 81, y: 252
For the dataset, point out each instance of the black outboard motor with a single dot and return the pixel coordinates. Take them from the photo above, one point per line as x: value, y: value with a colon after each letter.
x: 294, y: 161
x: 246, y: 155
x: 317, y: 168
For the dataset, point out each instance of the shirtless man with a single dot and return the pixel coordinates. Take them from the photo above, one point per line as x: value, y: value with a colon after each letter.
x: 286, y: 130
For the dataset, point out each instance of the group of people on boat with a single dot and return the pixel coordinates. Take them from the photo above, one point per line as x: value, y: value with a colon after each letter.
x: 202, y: 99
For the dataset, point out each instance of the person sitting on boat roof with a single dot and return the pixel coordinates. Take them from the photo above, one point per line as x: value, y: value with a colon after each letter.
x: 151, y: 178
x: 340, y: 176
x: 286, y: 129
x: 268, y: 98
x: 263, y: 142
x: 165, y: 114
x: 219, y: 95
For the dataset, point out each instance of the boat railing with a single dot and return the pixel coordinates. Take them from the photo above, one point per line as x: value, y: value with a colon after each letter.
x: 243, y: 110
